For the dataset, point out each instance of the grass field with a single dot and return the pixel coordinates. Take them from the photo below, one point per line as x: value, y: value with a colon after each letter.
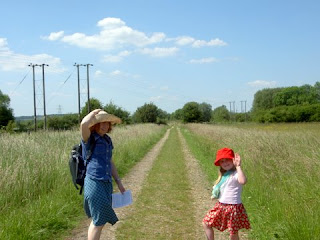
x: 38, y: 200
x: 282, y: 163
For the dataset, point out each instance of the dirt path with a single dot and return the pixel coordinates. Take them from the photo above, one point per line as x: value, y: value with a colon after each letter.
x: 201, y: 191
x: 133, y: 181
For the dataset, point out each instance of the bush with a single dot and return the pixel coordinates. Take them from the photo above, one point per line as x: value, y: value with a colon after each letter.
x: 65, y: 122
x: 296, y: 113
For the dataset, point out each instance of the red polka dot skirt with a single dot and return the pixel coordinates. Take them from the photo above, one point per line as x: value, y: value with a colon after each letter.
x: 227, y: 216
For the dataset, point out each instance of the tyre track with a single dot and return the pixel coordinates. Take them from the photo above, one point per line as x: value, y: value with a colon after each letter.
x: 201, y: 190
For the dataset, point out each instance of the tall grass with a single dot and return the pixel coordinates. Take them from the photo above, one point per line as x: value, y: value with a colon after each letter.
x: 38, y: 200
x: 282, y: 165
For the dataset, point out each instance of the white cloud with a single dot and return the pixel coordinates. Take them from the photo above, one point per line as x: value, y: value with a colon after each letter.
x: 10, y: 61
x: 186, y: 40
x: 116, y: 73
x: 3, y: 45
x: 116, y: 58
x: 213, y: 42
x: 111, y: 58
x: 54, y: 36
x: 124, y: 53
x: 114, y: 34
x: 156, y: 98
x: 203, y: 60
x: 262, y: 83
x: 111, y: 23
x: 160, y: 52
x: 98, y: 73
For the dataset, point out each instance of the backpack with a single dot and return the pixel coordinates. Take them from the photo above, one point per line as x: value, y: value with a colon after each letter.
x: 78, y: 165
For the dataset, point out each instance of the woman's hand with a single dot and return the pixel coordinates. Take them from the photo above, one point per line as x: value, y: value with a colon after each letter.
x: 120, y: 186
x: 84, y: 126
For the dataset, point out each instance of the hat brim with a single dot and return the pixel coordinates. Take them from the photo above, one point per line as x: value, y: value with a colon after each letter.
x: 217, y: 162
x: 105, y: 117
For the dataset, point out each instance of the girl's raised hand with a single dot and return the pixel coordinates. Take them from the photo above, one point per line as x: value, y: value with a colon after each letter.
x: 237, y: 160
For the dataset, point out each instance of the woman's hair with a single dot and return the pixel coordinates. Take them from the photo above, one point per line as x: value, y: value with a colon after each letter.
x: 96, y: 127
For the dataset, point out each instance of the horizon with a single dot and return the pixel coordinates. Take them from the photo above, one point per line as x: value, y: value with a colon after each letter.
x: 168, y: 53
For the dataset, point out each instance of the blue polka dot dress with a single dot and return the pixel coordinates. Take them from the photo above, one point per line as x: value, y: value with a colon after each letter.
x: 98, y: 201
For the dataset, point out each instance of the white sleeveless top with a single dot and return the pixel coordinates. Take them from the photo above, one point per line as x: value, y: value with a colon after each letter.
x: 231, y: 189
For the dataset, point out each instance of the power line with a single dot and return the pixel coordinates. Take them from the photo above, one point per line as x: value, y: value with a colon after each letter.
x: 20, y: 83
x: 61, y: 85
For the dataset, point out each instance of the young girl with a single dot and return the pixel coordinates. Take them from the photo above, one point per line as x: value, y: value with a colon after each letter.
x: 229, y: 211
x: 100, y: 170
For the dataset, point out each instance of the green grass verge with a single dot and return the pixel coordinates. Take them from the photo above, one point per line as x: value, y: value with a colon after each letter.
x: 38, y: 200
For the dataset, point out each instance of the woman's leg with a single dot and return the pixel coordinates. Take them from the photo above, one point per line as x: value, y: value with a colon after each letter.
x: 234, y: 236
x: 94, y: 232
x: 209, y: 231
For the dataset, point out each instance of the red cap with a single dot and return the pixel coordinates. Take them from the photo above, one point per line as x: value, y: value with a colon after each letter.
x: 223, y: 153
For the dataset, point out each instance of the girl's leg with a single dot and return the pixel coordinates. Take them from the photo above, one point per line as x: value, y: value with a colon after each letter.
x: 209, y: 231
x: 234, y: 236
x: 94, y: 232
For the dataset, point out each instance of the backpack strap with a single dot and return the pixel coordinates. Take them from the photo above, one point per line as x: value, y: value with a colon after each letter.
x: 92, y: 146
x: 89, y: 155
x: 81, y: 190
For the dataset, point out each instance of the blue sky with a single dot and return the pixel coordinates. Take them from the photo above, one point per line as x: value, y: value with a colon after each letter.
x: 165, y: 52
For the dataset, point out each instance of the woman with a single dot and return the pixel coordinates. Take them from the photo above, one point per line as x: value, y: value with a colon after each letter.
x: 100, y: 170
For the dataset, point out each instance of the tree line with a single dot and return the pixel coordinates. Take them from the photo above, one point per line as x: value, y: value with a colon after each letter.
x: 287, y: 104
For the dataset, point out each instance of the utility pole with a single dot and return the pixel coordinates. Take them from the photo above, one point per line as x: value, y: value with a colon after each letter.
x: 44, y: 97
x: 230, y: 112
x: 79, y: 105
x: 245, y: 109
x: 245, y: 106
x: 34, y: 97
x: 89, y: 107
x: 88, y: 88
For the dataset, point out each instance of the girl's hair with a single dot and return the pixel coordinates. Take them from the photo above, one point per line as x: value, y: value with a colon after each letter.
x: 221, y: 172
x: 96, y: 127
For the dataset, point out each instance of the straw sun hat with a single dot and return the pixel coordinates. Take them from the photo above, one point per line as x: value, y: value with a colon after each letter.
x: 103, y: 116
